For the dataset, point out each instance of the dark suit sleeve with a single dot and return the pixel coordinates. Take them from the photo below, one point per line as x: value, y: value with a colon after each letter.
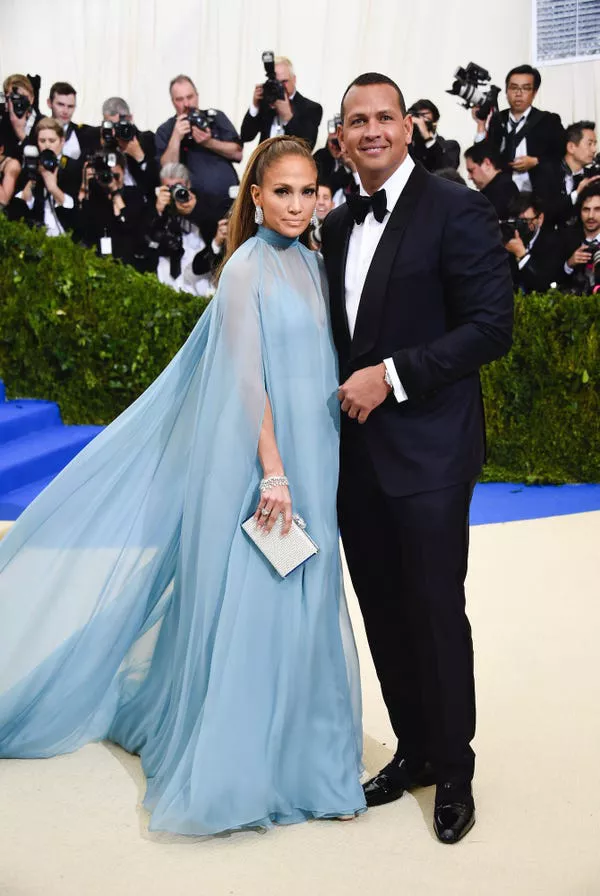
x: 478, y: 296
x: 145, y: 173
x: 250, y: 127
x: 554, y: 139
x: 305, y: 122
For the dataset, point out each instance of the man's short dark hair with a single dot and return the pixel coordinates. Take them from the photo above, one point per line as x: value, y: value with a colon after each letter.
x: 525, y: 70
x: 323, y: 182
x: 62, y: 88
x: 588, y: 192
x: 369, y: 78
x: 484, y: 150
x: 574, y: 133
x: 450, y: 174
x: 522, y: 202
x: 429, y: 106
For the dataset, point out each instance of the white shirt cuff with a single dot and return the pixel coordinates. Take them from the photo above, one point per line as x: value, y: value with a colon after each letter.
x: 568, y: 270
x: 479, y: 136
x: 28, y: 202
x: 67, y: 201
x: 574, y: 197
x: 430, y: 143
x: 524, y: 261
x: 397, y: 387
x: 253, y: 110
x: 216, y: 249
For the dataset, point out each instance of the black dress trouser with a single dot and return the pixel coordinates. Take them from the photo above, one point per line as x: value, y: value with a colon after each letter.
x: 407, y: 559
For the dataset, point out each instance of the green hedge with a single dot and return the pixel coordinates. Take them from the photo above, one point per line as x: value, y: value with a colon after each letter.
x: 91, y: 335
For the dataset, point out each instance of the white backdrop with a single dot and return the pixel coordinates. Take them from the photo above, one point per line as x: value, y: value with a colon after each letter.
x: 132, y: 49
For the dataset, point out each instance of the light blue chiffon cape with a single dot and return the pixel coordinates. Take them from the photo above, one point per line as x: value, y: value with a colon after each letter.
x: 134, y: 608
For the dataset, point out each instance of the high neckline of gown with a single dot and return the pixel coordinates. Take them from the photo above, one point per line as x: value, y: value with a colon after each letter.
x: 276, y: 239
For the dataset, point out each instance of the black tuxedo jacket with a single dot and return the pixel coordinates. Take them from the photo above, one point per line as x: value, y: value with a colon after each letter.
x: 500, y: 191
x: 578, y: 281
x: 9, y: 140
x: 336, y: 178
x: 437, y: 299
x: 304, y: 122
x: 69, y: 181
x: 559, y: 209
x: 145, y: 173
x: 544, y: 265
x: 544, y: 134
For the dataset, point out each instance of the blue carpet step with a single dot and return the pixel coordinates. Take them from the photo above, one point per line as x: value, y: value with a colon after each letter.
x: 26, y: 415
x: 32, y: 457
x: 14, y: 503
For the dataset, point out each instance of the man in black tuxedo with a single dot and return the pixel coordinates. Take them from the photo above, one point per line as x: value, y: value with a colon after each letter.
x: 421, y: 297
x: 527, y: 138
x: 484, y: 167
x: 562, y: 182
x: 581, y: 245
x: 428, y: 147
x: 294, y: 114
x: 21, y: 117
x: 535, y: 248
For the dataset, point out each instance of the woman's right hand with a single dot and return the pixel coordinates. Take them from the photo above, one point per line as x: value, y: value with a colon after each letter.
x: 274, y: 501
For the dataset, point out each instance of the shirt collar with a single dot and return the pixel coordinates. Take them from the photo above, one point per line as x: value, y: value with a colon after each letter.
x: 523, y: 117
x: 395, y: 183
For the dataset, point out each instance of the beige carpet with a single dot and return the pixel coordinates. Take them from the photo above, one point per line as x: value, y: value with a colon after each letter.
x: 71, y: 826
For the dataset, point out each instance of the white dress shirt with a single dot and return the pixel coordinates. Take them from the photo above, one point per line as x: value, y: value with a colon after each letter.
x: 72, y: 147
x: 364, y: 240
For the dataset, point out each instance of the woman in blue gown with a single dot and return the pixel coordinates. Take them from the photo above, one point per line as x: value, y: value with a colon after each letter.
x: 134, y: 608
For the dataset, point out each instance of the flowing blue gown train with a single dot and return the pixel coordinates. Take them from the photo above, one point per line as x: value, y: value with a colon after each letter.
x: 134, y: 608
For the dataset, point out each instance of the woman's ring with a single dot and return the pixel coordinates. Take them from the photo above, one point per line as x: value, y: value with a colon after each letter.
x: 265, y: 512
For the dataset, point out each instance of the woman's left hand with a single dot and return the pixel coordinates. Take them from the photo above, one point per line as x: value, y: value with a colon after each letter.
x: 274, y: 501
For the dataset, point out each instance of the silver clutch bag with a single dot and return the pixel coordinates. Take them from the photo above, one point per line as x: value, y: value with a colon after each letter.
x: 284, y: 552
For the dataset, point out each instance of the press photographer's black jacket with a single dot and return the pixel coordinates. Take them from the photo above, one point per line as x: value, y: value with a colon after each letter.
x: 304, y: 122
x: 9, y: 139
x: 68, y: 180
x: 500, y: 191
x: 95, y: 219
x: 144, y: 173
x: 544, y: 134
x: 543, y: 266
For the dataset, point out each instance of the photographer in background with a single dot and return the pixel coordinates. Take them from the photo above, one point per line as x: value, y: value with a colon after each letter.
x: 19, y: 116
x: 562, y: 183
x: 527, y: 138
x: 111, y: 215
x: 581, y: 247
x: 62, y: 103
x: 48, y: 182
x: 428, y: 147
x: 322, y: 208
x: 278, y: 108
x: 331, y: 168
x: 181, y: 245
x: 484, y: 164
x: 535, y: 248
x: 205, y: 141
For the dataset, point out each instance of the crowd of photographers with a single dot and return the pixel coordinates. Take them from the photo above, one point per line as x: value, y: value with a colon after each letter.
x: 160, y: 201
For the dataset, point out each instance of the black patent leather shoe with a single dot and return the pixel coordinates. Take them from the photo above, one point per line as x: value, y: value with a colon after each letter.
x: 454, y: 812
x: 393, y: 780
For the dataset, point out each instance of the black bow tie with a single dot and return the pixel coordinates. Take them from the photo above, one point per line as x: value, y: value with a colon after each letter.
x: 360, y: 206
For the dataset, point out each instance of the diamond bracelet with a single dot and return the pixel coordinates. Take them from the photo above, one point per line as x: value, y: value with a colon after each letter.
x: 272, y: 482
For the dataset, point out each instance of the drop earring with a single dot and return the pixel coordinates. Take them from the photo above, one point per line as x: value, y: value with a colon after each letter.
x: 314, y: 220
x: 258, y: 215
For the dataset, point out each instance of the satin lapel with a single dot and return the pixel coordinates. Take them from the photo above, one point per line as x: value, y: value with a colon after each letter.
x: 372, y: 298
x: 337, y: 289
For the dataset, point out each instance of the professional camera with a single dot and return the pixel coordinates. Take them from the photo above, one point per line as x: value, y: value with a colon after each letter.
x: 166, y: 236
x: 20, y: 103
x: 508, y: 227
x: 273, y: 89
x: 48, y: 160
x: 593, y: 170
x: 103, y: 164
x: 124, y: 129
x: 29, y: 165
x: 179, y: 193
x: 472, y: 85
x: 107, y: 136
x: 430, y: 125
x: 332, y: 126
x: 202, y: 118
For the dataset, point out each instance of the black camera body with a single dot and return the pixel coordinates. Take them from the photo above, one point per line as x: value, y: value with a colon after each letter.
x: 179, y: 193
x: 508, y: 227
x: 593, y: 170
x: 273, y: 89
x: 202, y: 118
x: 124, y: 129
x: 21, y: 104
x: 166, y: 237
x: 103, y: 164
x: 108, y: 137
x: 48, y: 160
x: 472, y: 85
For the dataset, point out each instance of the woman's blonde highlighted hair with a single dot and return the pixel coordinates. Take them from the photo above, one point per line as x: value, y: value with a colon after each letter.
x: 242, y: 225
